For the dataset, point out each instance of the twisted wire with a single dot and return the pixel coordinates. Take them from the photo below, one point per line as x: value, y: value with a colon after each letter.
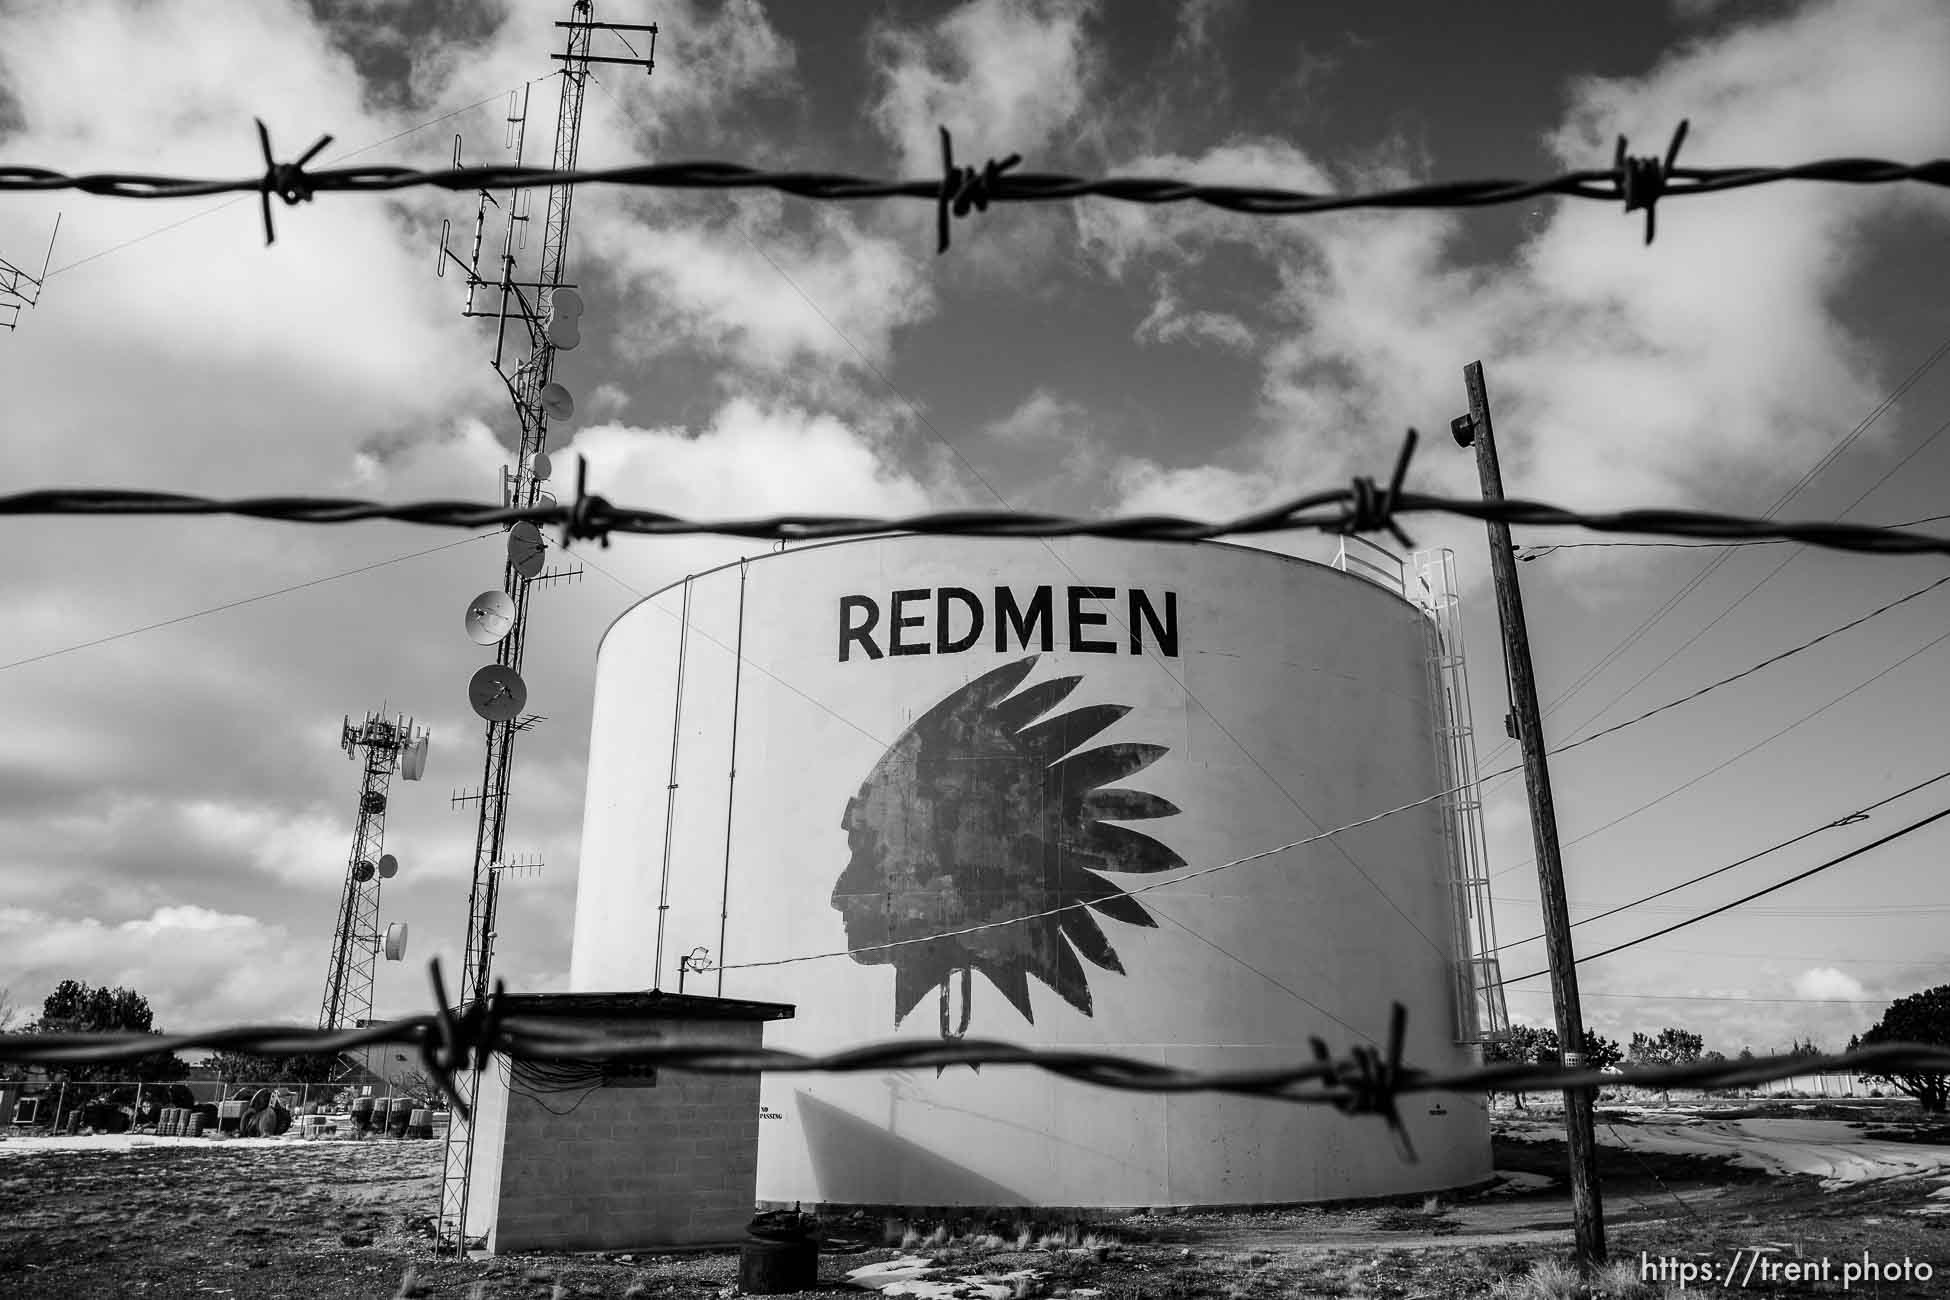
x: 1359, y: 509
x: 1639, y: 183
x: 1367, y: 1080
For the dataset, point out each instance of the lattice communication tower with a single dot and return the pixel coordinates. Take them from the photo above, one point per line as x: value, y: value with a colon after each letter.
x: 547, y: 309
x: 388, y: 746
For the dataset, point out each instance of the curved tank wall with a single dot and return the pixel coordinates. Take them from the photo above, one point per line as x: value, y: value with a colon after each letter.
x: 935, y: 734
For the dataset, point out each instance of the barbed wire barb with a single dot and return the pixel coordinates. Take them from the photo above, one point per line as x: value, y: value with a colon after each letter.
x: 286, y: 180
x: 964, y: 187
x: 1642, y: 181
x: 589, y: 514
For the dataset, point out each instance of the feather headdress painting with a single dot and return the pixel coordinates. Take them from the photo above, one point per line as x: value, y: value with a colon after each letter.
x: 986, y: 809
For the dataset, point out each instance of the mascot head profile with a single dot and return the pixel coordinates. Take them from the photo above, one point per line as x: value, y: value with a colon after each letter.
x: 988, y: 810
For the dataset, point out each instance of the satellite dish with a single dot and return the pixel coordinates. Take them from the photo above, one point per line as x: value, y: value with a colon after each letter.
x: 526, y: 550
x: 557, y: 402
x: 388, y: 866
x: 373, y: 801
x: 396, y: 941
x: 540, y: 466
x: 546, y: 500
x: 413, y: 760
x: 362, y: 871
x: 565, y: 333
x: 566, y: 304
x: 490, y: 616
x: 497, y: 693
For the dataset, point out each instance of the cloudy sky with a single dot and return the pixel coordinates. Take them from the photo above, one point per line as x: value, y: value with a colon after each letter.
x: 176, y: 809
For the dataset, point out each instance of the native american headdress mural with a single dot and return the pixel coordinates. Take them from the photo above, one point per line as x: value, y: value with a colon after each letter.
x: 979, y: 813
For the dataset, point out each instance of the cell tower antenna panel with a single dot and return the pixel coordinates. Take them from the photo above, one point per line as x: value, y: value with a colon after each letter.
x: 497, y: 691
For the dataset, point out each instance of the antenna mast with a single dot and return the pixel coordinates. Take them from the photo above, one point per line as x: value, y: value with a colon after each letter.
x: 548, y: 310
x: 355, y: 947
x: 12, y: 296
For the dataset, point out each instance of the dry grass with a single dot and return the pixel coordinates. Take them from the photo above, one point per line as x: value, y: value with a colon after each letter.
x: 1554, y: 1279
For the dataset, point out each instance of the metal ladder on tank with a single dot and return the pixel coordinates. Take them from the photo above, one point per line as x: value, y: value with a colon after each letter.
x: 1481, y: 1016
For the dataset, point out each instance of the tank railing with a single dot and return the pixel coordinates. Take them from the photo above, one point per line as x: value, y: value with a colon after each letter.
x: 1481, y: 1011
x: 1362, y: 558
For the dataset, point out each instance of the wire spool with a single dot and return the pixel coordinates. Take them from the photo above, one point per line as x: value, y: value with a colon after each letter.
x: 373, y: 801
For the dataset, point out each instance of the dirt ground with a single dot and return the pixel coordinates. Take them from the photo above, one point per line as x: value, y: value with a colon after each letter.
x: 336, y: 1220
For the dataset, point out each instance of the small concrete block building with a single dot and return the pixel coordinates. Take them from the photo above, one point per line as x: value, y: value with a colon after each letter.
x: 574, y: 1154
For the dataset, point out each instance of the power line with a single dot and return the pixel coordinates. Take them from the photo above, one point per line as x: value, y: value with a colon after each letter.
x: 1815, y: 956
x: 1771, y: 574
x: 1645, y: 625
x: 233, y: 604
x: 1765, y: 663
x: 1539, y: 552
x: 1729, y: 997
x: 1726, y: 763
x: 1849, y: 819
x: 1759, y: 893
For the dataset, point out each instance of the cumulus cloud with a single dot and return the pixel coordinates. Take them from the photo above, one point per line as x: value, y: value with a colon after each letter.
x: 751, y: 290
x: 1620, y: 373
x: 991, y: 71
x: 159, y: 779
x: 197, y: 966
x: 1040, y: 417
x: 1198, y: 21
x: 1828, y: 983
x: 1169, y: 322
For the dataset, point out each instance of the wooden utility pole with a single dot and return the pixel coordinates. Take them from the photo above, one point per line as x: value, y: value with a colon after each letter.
x: 1587, y: 1210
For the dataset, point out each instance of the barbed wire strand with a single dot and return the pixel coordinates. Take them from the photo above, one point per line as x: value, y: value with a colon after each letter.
x: 1637, y: 182
x: 1360, y: 508
x: 1367, y: 1080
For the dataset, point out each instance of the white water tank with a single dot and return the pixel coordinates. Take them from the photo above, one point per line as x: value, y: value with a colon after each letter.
x: 957, y: 762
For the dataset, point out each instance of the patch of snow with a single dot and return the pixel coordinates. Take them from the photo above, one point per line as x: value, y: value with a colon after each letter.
x: 872, y: 1277
x: 1513, y: 1180
x: 922, y: 1279
x: 1837, y: 1155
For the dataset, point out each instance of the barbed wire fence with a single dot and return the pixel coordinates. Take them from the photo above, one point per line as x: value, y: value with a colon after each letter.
x: 1366, y: 1080
x: 1359, y: 508
x: 1637, y: 182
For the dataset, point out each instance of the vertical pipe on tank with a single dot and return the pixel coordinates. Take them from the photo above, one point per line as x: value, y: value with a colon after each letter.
x: 670, y: 790
x: 731, y: 780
